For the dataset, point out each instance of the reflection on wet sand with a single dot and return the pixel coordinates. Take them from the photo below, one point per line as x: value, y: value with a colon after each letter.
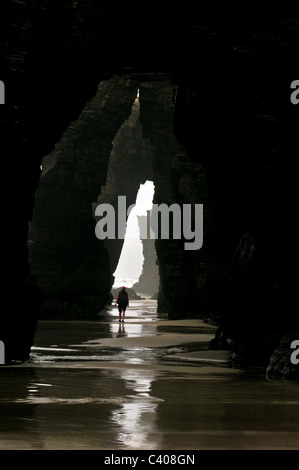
x: 141, y: 385
x: 136, y: 420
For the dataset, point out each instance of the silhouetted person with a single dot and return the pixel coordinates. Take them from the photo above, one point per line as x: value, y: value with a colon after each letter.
x: 123, y: 302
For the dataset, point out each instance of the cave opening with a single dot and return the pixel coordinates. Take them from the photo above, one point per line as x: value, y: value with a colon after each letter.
x: 123, y: 140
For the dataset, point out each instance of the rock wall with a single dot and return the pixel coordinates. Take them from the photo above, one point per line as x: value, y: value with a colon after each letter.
x: 242, y: 130
x: 148, y: 282
x: 191, y: 282
x: 68, y: 263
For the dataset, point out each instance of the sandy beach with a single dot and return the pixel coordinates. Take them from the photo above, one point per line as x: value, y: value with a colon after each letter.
x: 146, y: 384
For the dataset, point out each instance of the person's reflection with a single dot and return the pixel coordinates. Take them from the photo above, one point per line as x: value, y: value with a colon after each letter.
x: 121, y: 331
x: 136, y: 417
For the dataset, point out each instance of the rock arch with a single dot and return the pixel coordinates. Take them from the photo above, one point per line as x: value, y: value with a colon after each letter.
x: 117, y: 143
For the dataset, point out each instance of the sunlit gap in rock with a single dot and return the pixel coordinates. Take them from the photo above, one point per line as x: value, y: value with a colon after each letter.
x: 131, y: 261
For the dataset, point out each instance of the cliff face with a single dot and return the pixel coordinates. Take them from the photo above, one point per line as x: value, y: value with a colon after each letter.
x: 217, y: 128
x: 148, y: 282
x: 185, y: 276
x: 244, y: 137
x: 68, y: 263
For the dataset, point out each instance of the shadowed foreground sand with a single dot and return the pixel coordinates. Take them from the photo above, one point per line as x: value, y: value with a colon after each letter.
x: 147, y: 384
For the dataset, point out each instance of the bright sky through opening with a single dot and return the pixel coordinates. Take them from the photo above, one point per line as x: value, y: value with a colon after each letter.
x: 131, y: 258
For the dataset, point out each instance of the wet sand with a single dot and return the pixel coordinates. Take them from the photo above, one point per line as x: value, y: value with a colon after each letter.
x: 147, y: 384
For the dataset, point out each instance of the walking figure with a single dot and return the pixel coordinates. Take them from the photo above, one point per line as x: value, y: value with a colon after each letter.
x: 123, y: 302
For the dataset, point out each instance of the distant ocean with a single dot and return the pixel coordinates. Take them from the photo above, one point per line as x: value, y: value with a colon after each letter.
x: 124, y: 282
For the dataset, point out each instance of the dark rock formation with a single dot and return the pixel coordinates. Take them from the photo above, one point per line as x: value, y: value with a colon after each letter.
x: 148, y: 282
x: 217, y: 124
x: 68, y: 263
